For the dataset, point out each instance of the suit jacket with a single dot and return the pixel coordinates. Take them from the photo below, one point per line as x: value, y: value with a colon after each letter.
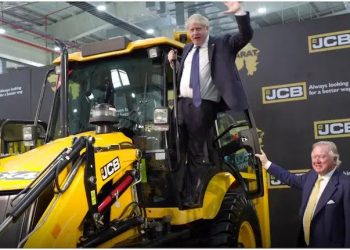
x: 330, y: 225
x: 222, y: 52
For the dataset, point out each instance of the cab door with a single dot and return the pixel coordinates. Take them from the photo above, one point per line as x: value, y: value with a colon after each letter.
x: 237, y: 142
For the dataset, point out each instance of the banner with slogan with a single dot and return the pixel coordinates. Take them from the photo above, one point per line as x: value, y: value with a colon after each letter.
x: 297, y: 79
x: 20, y: 91
x: 15, y: 90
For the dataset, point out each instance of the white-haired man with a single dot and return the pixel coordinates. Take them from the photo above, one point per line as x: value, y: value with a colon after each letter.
x: 325, y: 206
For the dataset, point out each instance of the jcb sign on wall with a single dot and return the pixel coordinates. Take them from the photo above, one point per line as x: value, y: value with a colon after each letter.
x: 275, y: 183
x: 284, y: 93
x: 332, y: 128
x: 329, y: 41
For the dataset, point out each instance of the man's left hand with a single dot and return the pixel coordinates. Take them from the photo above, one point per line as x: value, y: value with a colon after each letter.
x: 262, y: 157
x: 232, y: 7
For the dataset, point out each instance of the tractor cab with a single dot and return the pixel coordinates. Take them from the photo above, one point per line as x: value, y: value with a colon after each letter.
x: 139, y: 85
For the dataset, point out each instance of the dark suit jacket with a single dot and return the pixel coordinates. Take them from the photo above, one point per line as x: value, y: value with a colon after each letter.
x: 222, y: 55
x: 330, y: 226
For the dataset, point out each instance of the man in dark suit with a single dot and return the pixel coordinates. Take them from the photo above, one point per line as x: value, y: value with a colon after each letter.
x: 208, y: 81
x: 325, y: 206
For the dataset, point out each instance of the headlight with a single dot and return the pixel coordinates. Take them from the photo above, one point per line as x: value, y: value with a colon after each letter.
x: 29, y: 135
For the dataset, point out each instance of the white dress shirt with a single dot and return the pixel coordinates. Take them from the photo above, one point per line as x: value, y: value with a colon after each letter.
x: 208, y: 89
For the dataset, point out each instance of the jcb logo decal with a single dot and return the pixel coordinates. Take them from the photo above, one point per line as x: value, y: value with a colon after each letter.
x: 284, y: 93
x: 18, y: 175
x: 329, y: 41
x: 332, y: 128
x: 275, y: 183
x: 110, y: 168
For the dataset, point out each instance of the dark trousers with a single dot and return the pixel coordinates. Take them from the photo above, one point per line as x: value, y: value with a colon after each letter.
x: 195, y: 126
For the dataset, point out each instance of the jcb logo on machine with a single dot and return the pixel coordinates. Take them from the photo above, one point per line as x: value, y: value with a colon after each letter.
x: 284, y: 93
x: 18, y: 175
x: 332, y: 128
x: 110, y: 168
x: 329, y: 41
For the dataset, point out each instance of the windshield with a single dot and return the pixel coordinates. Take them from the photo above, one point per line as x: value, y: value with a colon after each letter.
x: 132, y: 83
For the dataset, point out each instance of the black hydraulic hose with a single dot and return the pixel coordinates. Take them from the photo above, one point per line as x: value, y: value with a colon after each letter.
x: 70, y: 176
x: 173, y: 63
x: 111, y: 232
x: 37, y: 178
x: 35, y: 192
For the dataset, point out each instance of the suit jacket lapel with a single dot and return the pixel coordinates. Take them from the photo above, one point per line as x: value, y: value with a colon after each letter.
x: 327, y: 193
x: 211, y: 47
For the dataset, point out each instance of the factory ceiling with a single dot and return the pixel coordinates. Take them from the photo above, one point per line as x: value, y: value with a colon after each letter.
x: 35, y: 25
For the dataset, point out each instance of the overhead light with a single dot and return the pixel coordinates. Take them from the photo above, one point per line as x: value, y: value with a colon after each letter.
x: 150, y: 31
x: 262, y: 10
x: 2, y: 31
x: 101, y: 7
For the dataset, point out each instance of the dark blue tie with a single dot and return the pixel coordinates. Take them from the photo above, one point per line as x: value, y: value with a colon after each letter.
x: 194, y: 79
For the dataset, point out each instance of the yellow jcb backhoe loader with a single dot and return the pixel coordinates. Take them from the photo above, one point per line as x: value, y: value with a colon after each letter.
x: 104, y: 173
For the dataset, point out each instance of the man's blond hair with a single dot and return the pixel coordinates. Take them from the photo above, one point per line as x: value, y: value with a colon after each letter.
x: 197, y: 18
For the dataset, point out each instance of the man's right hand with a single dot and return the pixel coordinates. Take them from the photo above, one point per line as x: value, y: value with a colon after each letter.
x: 171, y: 56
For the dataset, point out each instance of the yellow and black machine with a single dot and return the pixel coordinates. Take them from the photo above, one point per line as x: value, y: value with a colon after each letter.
x: 104, y: 171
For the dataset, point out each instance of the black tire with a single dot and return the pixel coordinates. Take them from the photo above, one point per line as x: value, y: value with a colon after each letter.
x: 236, y: 216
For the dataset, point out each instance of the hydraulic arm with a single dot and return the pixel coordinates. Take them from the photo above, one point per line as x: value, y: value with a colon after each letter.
x: 39, y: 184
